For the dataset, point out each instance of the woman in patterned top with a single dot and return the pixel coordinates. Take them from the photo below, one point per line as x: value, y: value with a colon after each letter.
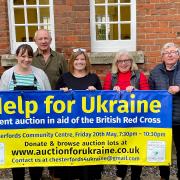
x: 23, y: 76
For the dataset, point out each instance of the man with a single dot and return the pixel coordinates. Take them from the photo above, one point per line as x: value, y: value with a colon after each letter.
x: 46, y: 59
x: 53, y: 63
x: 166, y: 76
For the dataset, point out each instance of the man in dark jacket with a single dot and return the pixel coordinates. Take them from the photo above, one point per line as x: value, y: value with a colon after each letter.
x: 166, y: 76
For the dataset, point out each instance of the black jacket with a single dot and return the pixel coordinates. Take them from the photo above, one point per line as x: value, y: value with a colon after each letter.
x: 158, y: 80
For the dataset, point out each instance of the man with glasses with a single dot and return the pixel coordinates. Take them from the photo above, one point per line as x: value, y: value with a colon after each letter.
x: 166, y: 76
x: 45, y: 58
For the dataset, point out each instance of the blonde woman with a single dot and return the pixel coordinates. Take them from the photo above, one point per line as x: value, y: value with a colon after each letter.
x: 125, y: 76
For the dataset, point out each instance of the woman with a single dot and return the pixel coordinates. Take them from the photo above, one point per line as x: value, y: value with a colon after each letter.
x: 79, y: 78
x: 23, y: 76
x: 125, y: 76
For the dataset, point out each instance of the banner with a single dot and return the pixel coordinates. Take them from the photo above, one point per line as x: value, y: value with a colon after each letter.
x: 55, y: 128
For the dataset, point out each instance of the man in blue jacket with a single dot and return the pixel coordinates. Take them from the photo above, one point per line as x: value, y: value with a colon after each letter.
x: 166, y: 76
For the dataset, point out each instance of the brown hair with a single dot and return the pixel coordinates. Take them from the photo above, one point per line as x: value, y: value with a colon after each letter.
x: 73, y: 57
x: 23, y: 48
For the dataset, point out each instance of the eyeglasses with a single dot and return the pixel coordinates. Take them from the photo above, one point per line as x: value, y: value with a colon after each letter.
x: 167, y: 53
x: 125, y: 61
x: 79, y: 49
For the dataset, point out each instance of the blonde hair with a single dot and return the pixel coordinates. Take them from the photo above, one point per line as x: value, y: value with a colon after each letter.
x: 118, y: 55
x: 73, y: 57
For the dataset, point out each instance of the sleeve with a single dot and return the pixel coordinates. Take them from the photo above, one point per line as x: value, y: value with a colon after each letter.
x: 4, y: 82
x: 151, y: 81
x: 46, y: 82
x: 60, y: 83
x: 143, y: 83
x: 107, y: 82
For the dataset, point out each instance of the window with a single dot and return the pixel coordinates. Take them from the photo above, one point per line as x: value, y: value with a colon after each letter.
x: 113, y: 25
x: 25, y: 17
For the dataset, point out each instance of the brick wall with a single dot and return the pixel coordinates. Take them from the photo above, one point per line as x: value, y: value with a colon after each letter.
x: 72, y: 25
x: 4, y: 30
x: 158, y: 22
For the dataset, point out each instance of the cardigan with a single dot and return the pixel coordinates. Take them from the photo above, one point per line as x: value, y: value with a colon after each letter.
x: 41, y: 77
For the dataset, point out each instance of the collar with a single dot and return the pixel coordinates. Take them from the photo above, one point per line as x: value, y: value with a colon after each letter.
x: 172, y: 68
x: 39, y: 54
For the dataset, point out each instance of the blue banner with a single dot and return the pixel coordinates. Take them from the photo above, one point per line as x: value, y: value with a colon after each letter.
x: 81, y: 109
x: 54, y: 128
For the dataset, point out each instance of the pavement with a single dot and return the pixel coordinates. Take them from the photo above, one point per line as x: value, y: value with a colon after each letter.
x: 148, y: 173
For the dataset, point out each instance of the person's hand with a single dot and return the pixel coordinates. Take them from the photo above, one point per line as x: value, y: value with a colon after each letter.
x: 173, y: 89
x: 65, y: 89
x: 130, y: 88
x: 116, y: 88
x: 91, y: 88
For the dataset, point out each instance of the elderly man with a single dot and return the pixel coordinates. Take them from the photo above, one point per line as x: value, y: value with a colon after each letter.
x: 51, y: 62
x: 166, y: 76
x: 45, y: 58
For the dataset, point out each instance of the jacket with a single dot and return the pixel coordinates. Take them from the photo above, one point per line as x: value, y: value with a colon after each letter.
x: 41, y: 77
x: 55, y: 66
x: 158, y: 80
x: 136, y: 79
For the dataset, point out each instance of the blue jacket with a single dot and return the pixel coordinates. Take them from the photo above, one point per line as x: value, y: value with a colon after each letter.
x: 158, y: 80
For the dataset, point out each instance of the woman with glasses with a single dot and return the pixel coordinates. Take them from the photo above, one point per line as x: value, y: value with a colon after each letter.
x: 79, y: 77
x: 125, y: 76
x: 23, y: 76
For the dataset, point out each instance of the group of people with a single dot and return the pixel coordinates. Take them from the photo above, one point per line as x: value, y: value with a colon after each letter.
x: 46, y: 69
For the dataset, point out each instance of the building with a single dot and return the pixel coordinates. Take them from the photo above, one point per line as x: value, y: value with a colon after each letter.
x: 100, y: 26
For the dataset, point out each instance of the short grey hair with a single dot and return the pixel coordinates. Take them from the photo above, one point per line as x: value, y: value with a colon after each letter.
x: 168, y: 45
x: 118, y: 55
x: 39, y: 30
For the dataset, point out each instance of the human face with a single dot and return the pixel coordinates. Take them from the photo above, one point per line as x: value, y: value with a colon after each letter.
x: 124, y: 64
x: 43, y: 40
x: 24, y: 60
x: 170, y: 56
x: 80, y: 63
